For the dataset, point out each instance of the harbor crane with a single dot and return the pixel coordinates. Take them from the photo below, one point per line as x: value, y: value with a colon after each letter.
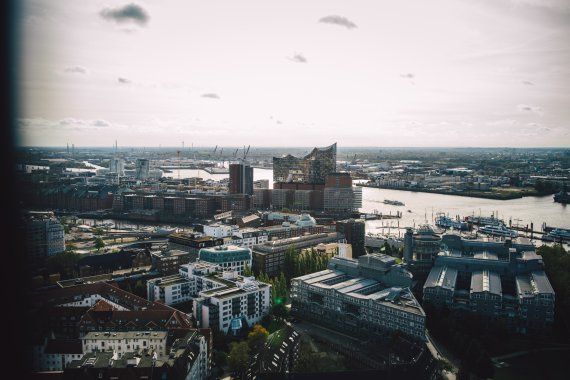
x: 245, y: 152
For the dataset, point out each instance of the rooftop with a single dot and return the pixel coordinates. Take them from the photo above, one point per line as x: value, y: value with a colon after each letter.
x: 126, y: 335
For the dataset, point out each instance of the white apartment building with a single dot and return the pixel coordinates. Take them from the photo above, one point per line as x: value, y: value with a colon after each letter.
x: 224, y: 308
x: 125, y: 341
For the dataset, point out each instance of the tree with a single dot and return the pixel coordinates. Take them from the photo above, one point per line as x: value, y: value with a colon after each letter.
x: 99, y: 243
x: 257, y: 337
x: 238, y: 359
x: 98, y: 231
x: 140, y: 289
x: 247, y: 271
x: 280, y: 311
x: 63, y: 263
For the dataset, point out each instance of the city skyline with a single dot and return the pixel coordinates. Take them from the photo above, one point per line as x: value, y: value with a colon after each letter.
x: 400, y: 74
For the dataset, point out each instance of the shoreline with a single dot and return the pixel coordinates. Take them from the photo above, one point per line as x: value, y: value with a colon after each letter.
x: 470, y: 194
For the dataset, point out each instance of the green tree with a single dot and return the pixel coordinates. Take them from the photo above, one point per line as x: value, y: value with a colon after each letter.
x: 63, y: 263
x: 279, y: 311
x: 257, y: 337
x: 238, y: 359
x: 99, y: 243
x: 98, y: 231
x: 247, y: 272
x: 291, y: 257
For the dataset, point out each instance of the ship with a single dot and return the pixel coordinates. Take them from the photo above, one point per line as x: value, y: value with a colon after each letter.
x: 447, y: 222
x: 498, y: 230
x: 393, y: 203
x: 557, y: 235
x: 485, y: 221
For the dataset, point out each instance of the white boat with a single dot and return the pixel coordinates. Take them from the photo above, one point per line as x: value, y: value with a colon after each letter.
x: 484, y: 220
x: 498, y: 230
x: 447, y: 222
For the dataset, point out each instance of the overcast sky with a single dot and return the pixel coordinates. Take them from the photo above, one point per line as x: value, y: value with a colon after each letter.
x: 295, y: 73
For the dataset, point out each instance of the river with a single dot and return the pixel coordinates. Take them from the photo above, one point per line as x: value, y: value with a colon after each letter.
x: 425, y: 206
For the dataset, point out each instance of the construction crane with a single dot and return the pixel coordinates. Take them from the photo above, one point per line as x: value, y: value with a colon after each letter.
x: 235, y: 153
x: 178, y: 155
x: 245, y: 152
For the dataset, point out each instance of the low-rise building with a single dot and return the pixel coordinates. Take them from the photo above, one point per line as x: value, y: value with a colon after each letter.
x: 269, y: 257
x: 186, y: 358
x: 503, y: 284
x: 367, y: 297
x: 168, y: 261
x: 229, y: 258
x: 240, y: 303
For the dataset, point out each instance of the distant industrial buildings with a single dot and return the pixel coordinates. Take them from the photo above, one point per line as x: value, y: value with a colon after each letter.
x: 368, y: 297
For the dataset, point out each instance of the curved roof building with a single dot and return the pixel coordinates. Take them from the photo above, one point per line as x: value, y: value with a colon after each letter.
x: 312, y: 168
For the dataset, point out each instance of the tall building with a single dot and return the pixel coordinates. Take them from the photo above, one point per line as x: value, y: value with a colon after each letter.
x: 117, y: 165
x: 312, y: 168
x: 44, y: 236
x: 340, y: 197
x: 241, y: 178
x: 354, y: 233
x: 142, y: 168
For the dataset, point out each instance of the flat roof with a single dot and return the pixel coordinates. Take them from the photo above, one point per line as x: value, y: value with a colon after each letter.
x: 485, y: 255
x: 126, y: 335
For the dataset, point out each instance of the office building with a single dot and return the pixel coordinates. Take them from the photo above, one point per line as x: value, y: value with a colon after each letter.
x: 117, y: 166
x: 241, y: 178
x: 500, y: 281
x: 421, y: 247
x: 142, y: 168
x: 311, y: 168
x: 354, y: 231
x: 368, y: 297
x: 269, y: 257
x: 229, y: 258
x: 240, y: 302
x: 44, y: 236
x: 339, y: 196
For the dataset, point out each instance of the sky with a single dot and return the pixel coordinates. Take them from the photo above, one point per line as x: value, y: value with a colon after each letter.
x: 402, y: 73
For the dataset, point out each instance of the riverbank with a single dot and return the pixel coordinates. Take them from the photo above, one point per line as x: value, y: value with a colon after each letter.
x: 503, y: 194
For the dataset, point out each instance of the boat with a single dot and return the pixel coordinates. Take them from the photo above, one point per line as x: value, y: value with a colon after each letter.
x: 447, y: 222
x: 485, y: 221
x: 557, y: 235
x: 498, y: 230
x: 393, y: 203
